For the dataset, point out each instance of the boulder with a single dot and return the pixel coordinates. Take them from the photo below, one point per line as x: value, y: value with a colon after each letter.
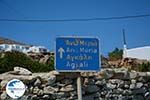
x: 50, y: 90
x: 67, y: 88
x: 121, y: 73
x: 105, y: 74
x: 36, y: 90
x: 133, y: 75
x: 22, y: 71
x: 139, y: 85
x: 45, y: 59
x: 111, y: 86
x: 3, y: 84
x: 4, y: 96
x: 67, y: 81
x: 132, y: 86
x: 37, y: 82
x: 91, y: 88
x: 59, y: 95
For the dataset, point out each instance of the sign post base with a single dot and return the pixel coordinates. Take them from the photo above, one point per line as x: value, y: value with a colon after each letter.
x: 79, y: 87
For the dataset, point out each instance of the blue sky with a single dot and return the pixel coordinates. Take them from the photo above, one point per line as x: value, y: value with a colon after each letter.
x: 44, y: 33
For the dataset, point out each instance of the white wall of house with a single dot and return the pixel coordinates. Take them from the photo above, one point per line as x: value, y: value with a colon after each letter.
x: 23, y: 48
x: 139, y: 53
x: 38, y: 49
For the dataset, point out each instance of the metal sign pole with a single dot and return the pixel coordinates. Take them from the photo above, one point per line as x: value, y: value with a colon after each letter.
x: 79, y: 88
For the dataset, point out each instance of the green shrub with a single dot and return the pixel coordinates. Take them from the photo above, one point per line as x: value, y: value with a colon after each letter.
x: 144, y: 67
x: 13, y: 59
x: 116, y: 54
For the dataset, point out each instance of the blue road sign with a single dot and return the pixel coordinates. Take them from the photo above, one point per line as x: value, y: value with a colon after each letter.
x: 76, y: 54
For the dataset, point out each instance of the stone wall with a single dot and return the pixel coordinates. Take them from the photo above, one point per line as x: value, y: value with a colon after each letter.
x: 108, y: 84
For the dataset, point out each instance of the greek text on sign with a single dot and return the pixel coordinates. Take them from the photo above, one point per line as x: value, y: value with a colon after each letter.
x: 77, y: 54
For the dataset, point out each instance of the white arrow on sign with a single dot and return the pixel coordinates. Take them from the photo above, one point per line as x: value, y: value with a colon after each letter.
x: 61, y: 51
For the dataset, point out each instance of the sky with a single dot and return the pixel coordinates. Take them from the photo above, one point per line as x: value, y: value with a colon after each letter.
x: 109, y: 32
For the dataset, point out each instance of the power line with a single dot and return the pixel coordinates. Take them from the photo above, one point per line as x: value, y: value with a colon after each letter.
x: 73, y: 20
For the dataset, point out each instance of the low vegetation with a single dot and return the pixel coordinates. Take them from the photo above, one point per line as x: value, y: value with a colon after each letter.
x: 116, y: 54
x: 144, y: 67
x: 9, y: 60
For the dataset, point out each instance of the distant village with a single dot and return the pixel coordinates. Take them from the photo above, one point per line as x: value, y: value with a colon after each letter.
x: 23, y: 48
x: 10, y: 45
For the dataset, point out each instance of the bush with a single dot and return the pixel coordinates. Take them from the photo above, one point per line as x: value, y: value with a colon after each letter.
x: 144, y: 67
x: 13, y: 59
x: 116, y: 54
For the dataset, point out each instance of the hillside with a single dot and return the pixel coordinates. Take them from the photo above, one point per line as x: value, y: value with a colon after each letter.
x: 9, y: 41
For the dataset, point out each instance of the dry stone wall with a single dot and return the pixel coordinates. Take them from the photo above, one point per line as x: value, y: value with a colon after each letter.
x: 108, y: 84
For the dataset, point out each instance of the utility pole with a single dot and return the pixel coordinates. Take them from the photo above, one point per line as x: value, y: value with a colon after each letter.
x: 124, y: 44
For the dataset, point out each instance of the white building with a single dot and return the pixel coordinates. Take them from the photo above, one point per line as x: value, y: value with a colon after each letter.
x: 38, y: 49
x: 139, y: 53
x: 14, y: 47
x: 22, y: 48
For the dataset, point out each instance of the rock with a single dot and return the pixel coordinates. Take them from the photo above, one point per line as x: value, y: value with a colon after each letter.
x: 73, y: 93
x: 31, y: 89
x: 111, y: 86
x: 59, y: 84
x: 22, y: 71
x: 89, y: 81
x: 51, y: 80
x: 59, y: 95
x: 141, y: 79
x: 54, y: 73
x: 139, y: 85
x: 41, y: 92
x: 3, y: 84
x: 45, y: 59
x: 91, y: 89
x: 34, y: 97
x: 50, y: 90
x: 133, y: 81
x: 138, y: 97
x: 143, y: 74
x: 132, y: 86
x: 88, y: 74
x: 46, y: 97
x: 133, y: 75
x: 117, y: 91
x: 127, y: 92
x: 67, y: 88
x: 72, y: 98
x: 126, y: 86
x: 37, y: 82
x: 88, y: 97
x: 138, y: 91
x: 115, y: 81
x: 147, y: 96
x: 148, y: 74
x: 121, y: 74
x: 13, y: 72
x: 4, y: 96
x: 67, y: 81
x: 101, y: 83
x: 36, y: 90
x: 103, y: 93
x: 24, y: 78
x: 62, y: 99
x: 107, y: 73
x: 24, y: 97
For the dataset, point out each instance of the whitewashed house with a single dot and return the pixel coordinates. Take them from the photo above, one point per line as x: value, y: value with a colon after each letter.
x: 22, y: 48
x: 38, y: 49
x: 14, y: 47
x: 139, y: 53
